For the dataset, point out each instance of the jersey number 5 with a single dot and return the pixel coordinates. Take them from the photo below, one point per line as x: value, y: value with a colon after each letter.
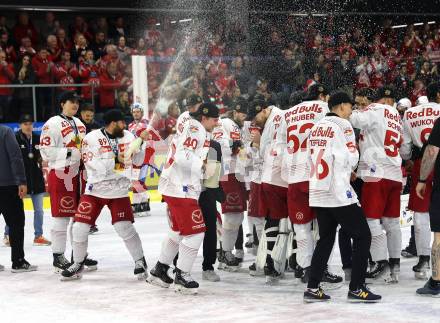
x: 392, y: 143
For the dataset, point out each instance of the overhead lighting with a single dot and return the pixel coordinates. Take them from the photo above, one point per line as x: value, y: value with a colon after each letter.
x: 173, y: 21
x: 158, y: 24
x: 418, y: 24
x: 185, y: 20
x: 399, y: 26
x: 431, y: 22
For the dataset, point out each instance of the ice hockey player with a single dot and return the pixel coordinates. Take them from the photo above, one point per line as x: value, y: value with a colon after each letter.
x: 106, y: 156
x: 273, y: 185
x: 332, y: 158
x: 229, y: 135
x: 417, y: 126
x: 60, y: 145
x: 257, y: 206
x: 295, y: 129
x: 380, y: 169
x: 141, y: 198
x: 180, y: 185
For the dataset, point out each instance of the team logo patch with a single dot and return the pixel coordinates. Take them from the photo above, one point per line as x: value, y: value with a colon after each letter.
x: 66, y: 131
x: 299, y: 216
x: 67, y: 202
x: 193, y: 129
x: 235, y: 135
x: 85, y: 208
x: 233, y: 198
x: 387, y: 92
x: 348, y: 132
x: 197, y: 216
x: 205, y: 111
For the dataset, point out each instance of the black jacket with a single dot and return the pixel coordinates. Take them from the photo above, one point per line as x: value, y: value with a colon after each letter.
x: 34, y: 173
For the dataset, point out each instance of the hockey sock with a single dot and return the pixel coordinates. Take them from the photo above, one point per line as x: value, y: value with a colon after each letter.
x: 127, y: 232
x: 170, y: 247
x: 422, y: 232
x: 231, y: 224
x: 378, y: 248
x: 394, y: 236
x: 80, y: 238
x: 305, y: 244
x: 59, y: 234
x: 188, y: 248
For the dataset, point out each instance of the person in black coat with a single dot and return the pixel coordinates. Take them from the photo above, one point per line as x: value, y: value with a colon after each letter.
x: 28, y: 141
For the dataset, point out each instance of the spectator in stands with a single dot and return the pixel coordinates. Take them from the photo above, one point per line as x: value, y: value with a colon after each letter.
x: 7, y: 76
x: 26, y: 47
x: 98, y: 45
x: 291, y: 71
x: 25, y: 28
x: 24, y: 74
x: 63, y: 42
x: 427, y: 72
x: 66, y: 72
x: 80, y: 26
x: 263, y: 91
x: 49, y: 27
x: 124, y: 52
x: 417, y: 91
x: 53, y: 48
x: 44, y: 72
x: 111, y: 57
x: 118, y: 29
x: 4, y: 26
x: 89, y: 74
x: 141, y: 47
x: 7, y: 46
x: 242, y: 75
x: 28, y: 142
x: 344, y: 73
x: 402, y: 81
x: 101, y: 26
x: 79, y: 48
x: 123, y: 104
x: 110, y: 82
x: 87, y: 116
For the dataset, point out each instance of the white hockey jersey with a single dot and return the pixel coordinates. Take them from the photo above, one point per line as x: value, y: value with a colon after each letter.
x: 272, y: 149
x: 107, y: 178
x: 295, y: 129
x: 59, y: 135
x: 332, y: 158
x: 417, y: 126
x: 182, y: 174
x: 225, y: 134
x: 379, y: 141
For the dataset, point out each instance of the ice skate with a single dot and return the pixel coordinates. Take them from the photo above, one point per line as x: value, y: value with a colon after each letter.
x: 363, y: 295
x: 159, y: 276
x: 410, y: 251
x: 60, y: 263
x: 140, y: 269
x: 184, y: 283
x: 249, y: 245
x: 394, y: 271
x: 253, y: 271
x: 93, y: 229
x: 272, y: 276
x: 421, y: 270
x: 239, y: 255
x: 330, y: 278
x: 380, y: 270
x: 74, y: 272
x: 227, y: 261
x: 89, y: 264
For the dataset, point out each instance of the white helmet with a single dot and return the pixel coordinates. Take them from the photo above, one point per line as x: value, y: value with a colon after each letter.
x: 405, y: 102
x: 137, y: 105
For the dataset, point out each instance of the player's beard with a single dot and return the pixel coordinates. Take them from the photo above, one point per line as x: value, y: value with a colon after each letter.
x: 118, y: 132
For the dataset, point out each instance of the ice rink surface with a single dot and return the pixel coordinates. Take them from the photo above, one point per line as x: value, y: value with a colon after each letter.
x: 112, y: 294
